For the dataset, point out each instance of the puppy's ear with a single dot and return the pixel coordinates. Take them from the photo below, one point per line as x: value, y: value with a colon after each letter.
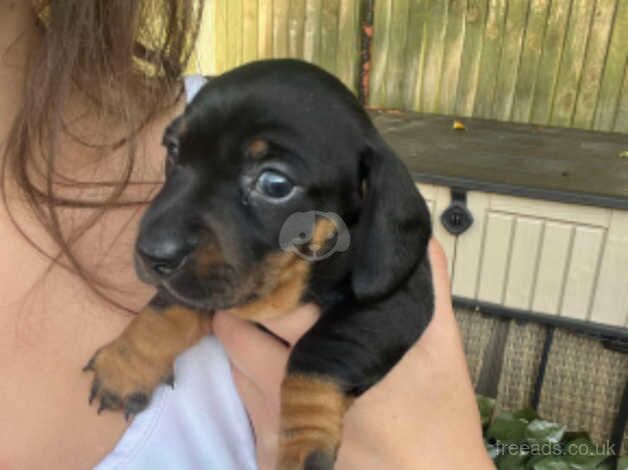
x: 394, y: 226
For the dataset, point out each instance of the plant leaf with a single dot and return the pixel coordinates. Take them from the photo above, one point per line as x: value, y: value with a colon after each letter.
x: 622, y: 463
x: 550, y: 463
x: 486, y: 405
x: 506, y: 428
x: 512, y: 461
x: 582, y: 454
x: 544, y: 432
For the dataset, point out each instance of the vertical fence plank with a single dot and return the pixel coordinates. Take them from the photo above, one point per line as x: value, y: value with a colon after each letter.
x: 381, y: 45
x: 436, y: 28
x: 280, y: 28
x: 296, y: 26
x: 348, y: 56
x: 414, y: 53
x: 219, y: 27
x: 510, y: 59
x: 491, y: 52
x: 613, y: 70
x: 621, y: 118
x: 572, y: 62
x: 594, y: 63
x: 450, y: 71
x: 530, y: 58
x: 475, y: 20
x: 312, y: 39
x: 234, y: 33
x: 550, y: 61
x: 249, y: 30
x: 396, y: 66
x: 329, y: 34
x: 265, y: 29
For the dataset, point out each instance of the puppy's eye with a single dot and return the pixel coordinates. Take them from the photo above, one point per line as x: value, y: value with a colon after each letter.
x: 273, y: 184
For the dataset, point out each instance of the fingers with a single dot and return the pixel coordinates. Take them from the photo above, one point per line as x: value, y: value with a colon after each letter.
x: 293, y: 325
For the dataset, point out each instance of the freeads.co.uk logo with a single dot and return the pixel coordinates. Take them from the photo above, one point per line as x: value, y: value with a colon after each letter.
x: 314, y: 235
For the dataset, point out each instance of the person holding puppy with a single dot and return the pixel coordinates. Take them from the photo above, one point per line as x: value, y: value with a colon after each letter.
x: 86, y: 92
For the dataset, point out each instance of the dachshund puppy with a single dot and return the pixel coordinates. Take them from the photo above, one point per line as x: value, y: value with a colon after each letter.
x: 279, y: 191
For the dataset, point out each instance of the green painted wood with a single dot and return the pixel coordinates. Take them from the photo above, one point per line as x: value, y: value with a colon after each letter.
x: 572, y: 62
x: 436, y: 29
x: 594, y: 64
x: 530, y: 59
x: 380, y: 47
x: 414, y: 54
x: 296, y: 26
x: 509, y: 62
x: 621, y: 118
x: 312, y: 39
x: 558, y: 62
x: 491, y: 53
x: 249, y: 30
x: 348, y: 59
x: 452, y: 57
x: 280, y: 28
x: 329, y: 34
x: 553, y: 41
x: 475, y: 20
x: 395, y: 64
x: 614, y: 70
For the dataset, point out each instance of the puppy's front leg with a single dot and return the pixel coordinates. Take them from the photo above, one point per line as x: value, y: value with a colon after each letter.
x: 127, y: 370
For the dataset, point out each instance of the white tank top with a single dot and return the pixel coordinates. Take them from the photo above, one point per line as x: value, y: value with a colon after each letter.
x: 201, y: 423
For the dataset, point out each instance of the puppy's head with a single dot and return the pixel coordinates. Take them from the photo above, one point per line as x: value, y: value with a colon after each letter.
x: 275, y: 175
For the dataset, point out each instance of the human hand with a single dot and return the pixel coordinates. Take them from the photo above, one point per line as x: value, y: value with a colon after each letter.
x: 423, y: 414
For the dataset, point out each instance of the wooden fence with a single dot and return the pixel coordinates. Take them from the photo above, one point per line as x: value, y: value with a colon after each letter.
x: 556, y: 62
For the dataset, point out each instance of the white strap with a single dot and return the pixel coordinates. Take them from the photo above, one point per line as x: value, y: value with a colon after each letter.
x: 192, y: 84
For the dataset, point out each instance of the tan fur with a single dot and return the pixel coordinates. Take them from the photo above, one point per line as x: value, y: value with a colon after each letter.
x: 312, y: 410
x: 289, y: 274
x: 258, y: 148
x: 143, y: 355
x: 286, y: 276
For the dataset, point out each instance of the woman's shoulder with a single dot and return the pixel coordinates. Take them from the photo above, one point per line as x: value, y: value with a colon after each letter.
x: 199, y: 423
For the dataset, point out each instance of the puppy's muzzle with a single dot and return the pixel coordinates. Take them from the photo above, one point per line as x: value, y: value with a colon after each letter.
x: 160, y: 259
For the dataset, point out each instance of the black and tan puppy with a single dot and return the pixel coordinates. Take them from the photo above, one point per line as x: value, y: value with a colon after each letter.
x: 279, y: 152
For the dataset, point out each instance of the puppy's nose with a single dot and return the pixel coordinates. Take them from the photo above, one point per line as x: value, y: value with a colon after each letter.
x: 162, y: 258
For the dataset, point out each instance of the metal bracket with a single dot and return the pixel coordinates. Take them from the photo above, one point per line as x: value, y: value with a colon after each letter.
x: 457, y: 218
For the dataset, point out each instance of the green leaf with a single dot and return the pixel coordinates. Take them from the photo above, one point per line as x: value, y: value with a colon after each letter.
x: 527, y: 414
x: 622, y: 463
x: 506, y: 428
x: 512, y: 461
x: 544, y: 432
x: 573, y: 435
x: 550, y: 463
x: 486, y: 406
x: 606, y: 465
x: 582, y: 454
x: 623, y: 154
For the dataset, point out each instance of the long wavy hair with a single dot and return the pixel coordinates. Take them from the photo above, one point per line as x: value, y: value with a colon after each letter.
x: 126, y: 59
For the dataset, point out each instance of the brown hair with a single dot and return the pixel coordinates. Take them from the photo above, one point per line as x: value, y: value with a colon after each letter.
x: 126, y: 58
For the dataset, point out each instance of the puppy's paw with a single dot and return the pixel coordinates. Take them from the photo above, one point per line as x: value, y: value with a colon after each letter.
x: 125, y: 377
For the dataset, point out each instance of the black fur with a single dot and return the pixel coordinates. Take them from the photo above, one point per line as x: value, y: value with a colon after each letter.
x: 376, y: 297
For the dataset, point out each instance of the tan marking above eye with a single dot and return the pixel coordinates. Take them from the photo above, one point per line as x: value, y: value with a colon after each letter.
x: 257, y: 148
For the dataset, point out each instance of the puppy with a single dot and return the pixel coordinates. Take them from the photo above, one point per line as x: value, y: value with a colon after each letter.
x: 279, y: 191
